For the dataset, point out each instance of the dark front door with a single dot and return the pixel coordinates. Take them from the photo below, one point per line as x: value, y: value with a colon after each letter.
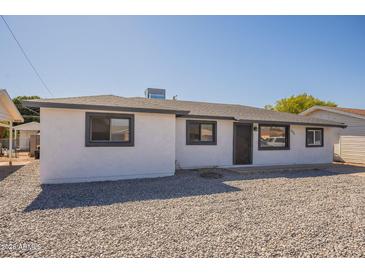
x: 242, y: 144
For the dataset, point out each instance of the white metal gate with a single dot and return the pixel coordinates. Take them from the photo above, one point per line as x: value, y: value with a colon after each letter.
x: 352, y: 149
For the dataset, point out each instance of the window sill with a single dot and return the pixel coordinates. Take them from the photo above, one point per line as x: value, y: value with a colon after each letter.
x: 202, y: 144
x: 108, y: 144
x: 273, y: 148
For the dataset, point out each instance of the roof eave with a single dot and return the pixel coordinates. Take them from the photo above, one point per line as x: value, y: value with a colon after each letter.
x: 261, y: 121
x: 206, y: 117
x: 13, y: 112
x: 292, y: 123
x: 102, y: 107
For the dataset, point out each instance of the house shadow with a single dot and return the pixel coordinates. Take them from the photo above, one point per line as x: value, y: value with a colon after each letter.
x: 347, y: 168
x: 330, y: 170
x: 107, y: 193
x: 293, y: 174
x: 184, y: 184
x: 7, y: 170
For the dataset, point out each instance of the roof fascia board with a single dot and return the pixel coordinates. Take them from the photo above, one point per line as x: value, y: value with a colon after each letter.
x: 101, y: 107
x: 293, y: 123
x: 206, y: 117
x: 261, y: 121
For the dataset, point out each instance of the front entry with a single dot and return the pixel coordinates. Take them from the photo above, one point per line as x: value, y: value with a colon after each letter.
x: 242, y: 144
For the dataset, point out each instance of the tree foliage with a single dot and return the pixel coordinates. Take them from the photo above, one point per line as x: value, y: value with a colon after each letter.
x: 29, y: 114
x: 299, y: 103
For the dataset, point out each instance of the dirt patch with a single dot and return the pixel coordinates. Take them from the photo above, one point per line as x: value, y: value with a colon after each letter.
x: 210, y: 174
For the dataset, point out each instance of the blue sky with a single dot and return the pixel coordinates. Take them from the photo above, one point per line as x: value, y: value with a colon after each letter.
x: 249, y: 60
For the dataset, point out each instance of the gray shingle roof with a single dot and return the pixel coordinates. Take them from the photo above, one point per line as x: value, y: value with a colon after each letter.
x: 180, y: 108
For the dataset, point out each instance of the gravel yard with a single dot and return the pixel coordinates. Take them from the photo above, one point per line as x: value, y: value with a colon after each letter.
x: 291, y: 214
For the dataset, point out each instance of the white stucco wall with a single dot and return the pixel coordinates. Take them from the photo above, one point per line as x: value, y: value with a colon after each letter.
x: 160, y: 140
x: 64, y: 157
x: 191, y: 156
x: 195, y: 156
x: 298, y: 152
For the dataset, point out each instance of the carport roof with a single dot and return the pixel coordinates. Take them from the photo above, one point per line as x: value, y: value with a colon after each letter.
x: 181, y: 109
x: 8, y: 111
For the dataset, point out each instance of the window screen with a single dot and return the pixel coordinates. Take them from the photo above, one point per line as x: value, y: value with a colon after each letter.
x: 314, y: 137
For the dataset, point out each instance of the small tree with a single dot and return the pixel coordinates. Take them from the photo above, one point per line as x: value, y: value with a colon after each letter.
x: 299, y: 103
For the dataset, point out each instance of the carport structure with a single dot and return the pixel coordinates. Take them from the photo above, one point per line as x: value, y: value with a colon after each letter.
x: 9, y: 114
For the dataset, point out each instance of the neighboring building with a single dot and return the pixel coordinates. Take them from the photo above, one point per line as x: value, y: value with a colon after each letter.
x: 108, y: 137
x: 8, y: 115
x: 25, y: 132
x: 350, y: 141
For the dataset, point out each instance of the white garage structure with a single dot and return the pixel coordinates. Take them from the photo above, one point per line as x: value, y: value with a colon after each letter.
x: 350, y: 145
x: 352, y: 149
x: 23, y: 132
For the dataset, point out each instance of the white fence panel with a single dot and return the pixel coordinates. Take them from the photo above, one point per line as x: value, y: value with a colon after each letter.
x: 352, y: 149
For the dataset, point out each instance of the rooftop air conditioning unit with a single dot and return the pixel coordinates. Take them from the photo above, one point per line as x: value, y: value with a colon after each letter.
x: 155, y: 93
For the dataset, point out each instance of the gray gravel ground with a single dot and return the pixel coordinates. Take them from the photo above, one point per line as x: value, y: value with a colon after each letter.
x: 292, y: 214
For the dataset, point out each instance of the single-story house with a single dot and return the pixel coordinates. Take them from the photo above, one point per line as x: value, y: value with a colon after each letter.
x: 350, y: 141
x: 25, y: 132
x: 109, y: 137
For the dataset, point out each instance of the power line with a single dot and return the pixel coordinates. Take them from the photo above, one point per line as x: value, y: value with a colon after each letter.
x: 26, y: 57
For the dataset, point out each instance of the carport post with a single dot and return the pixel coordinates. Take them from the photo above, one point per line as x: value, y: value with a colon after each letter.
x: 10, y: 142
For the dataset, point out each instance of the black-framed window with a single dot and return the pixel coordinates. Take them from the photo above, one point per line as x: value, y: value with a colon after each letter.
x: 109, y: 129
x: 314, y: 137
x: 274, y: 137
x: 201, y: 132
